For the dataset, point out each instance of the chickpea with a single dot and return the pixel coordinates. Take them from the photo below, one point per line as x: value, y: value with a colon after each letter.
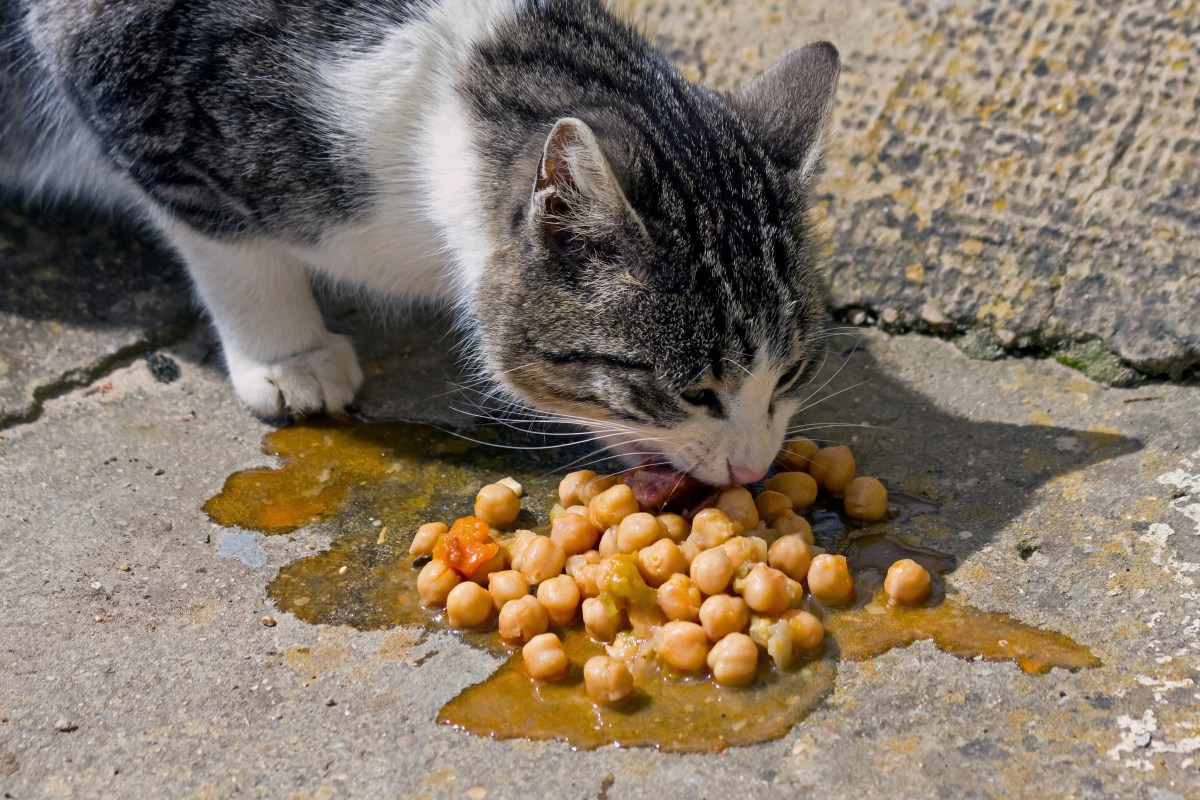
x: 795, y: 593
x: 496, y: 563
x: 560, y: 597
x: 734, y: 660
x: 588, y: 580
x: 765, y: 590
x: 679, y: 599
x: 523, y: 618
x: 907, y: 583
x: 738, y: 504
x: 497, y: 505
x: 574, y: 534
x: 426, y: 537
x: 712, y: 527
x: 588, y: 490
x: 638, y: 530
x: 772, y: 505
x: 568, y: 487
x: 866, y: 499
x: 711, y: 571
x: 797, y: 454
x: 507, y: 585
x: 660, y: 561
x: 516, y: 545
x: 689, y: 550
x: 829, y: 580
x: 757, y: 548
x: 677, y: 527
x: 683, y: 645
x: 613, y: 505
x: 608, y: 542
x: 745, y: 550
x: 603, y: 621
x: 542, y: 558
x: 646, y: 619
x: 607, y: 680
x: 468, y: 606
x: 544, y: 657
x: 723, y: 614
x: 792, y: 555
x: 792, y: 523
x: 434, y: 582
x: 833, y: 468
x: 580, y: 510
x: 799, y: 487
x: 584, y: 569
x: 806, y: 630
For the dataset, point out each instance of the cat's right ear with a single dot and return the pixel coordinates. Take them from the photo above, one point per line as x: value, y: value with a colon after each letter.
x: 791, y: 103
x: 576, y: 196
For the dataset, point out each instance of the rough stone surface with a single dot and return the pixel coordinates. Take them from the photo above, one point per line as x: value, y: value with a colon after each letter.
x: 1031, y: 168
x: 1068, y: 505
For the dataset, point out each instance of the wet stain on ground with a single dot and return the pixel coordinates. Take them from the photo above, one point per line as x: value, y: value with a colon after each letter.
x: 378, y: 481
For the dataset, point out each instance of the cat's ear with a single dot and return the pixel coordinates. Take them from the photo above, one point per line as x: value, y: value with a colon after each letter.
x: 575, y: 193
x: 791, y: 103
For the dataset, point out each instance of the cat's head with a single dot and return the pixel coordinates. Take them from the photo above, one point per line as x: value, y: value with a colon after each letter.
x: 660, y: 283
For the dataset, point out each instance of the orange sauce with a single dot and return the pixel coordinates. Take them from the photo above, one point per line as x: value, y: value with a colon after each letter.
x: 362, y: 477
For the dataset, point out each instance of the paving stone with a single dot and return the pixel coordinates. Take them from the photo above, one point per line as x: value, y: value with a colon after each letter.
x: 1030, y: 168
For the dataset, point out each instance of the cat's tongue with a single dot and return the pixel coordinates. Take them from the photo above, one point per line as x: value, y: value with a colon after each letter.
x: 663, y: 489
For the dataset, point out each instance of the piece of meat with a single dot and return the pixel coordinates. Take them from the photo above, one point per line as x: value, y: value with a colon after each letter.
x: 659, y: 489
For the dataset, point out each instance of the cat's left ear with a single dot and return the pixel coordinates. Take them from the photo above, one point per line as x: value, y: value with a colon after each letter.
x: 576, y: 196
x: 791, y: 104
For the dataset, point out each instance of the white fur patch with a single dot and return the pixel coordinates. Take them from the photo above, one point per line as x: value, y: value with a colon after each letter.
x: 397, y: 108
x: 749, y: 437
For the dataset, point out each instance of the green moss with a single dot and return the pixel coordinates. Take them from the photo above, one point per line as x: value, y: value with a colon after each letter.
x: 980, y: 344
x: 1093, y: 360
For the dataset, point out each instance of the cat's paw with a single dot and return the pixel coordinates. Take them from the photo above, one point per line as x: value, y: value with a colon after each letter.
x: 325, y: 378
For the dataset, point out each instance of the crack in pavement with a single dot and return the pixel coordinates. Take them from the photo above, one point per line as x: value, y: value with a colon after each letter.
x: 78, y: 377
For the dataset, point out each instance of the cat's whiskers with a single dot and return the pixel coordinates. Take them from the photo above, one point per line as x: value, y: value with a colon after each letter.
x: 829, y: 396
x: 819, y: 426
x: 742, y: 368
x: 837, y: 372
x: 556, y: 446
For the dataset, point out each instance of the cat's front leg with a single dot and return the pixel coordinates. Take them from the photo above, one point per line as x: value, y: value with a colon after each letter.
x: 280, y: 356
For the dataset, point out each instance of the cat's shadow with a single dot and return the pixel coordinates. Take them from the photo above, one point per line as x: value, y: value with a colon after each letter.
x: 88, y: 270
x: 984, y: 475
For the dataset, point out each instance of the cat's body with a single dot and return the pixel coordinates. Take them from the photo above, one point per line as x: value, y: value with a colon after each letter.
x: 628, y: 249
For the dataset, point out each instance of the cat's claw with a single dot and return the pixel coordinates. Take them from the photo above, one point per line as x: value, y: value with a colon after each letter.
x: 325, y: 378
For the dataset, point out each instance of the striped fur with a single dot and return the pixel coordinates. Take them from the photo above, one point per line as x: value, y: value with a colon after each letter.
x: 625, y: 247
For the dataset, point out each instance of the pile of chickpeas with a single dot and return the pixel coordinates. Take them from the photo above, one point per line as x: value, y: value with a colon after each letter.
x: 714, y: 594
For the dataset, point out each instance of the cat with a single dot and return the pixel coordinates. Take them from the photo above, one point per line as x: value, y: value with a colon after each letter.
x: 628, y: 250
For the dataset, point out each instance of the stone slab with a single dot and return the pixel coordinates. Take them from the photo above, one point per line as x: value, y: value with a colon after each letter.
x: 1026, y: 168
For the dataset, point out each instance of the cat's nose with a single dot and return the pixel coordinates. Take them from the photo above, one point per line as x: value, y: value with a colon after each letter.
x: 740, y: 473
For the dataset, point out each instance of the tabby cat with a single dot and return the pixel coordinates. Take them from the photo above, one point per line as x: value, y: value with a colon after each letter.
x: 626, y: 249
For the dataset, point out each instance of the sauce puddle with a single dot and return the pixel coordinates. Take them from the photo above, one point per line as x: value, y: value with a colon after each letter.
x: 378, y: 481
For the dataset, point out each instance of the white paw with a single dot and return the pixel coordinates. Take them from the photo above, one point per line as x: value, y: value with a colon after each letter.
x: 325, y: 378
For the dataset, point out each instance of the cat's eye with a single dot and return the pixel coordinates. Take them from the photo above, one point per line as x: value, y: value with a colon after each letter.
x: 702, y: 397
x: 788, y: 378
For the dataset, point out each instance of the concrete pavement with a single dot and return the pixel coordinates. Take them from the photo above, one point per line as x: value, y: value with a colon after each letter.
x: 1067, y: 503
